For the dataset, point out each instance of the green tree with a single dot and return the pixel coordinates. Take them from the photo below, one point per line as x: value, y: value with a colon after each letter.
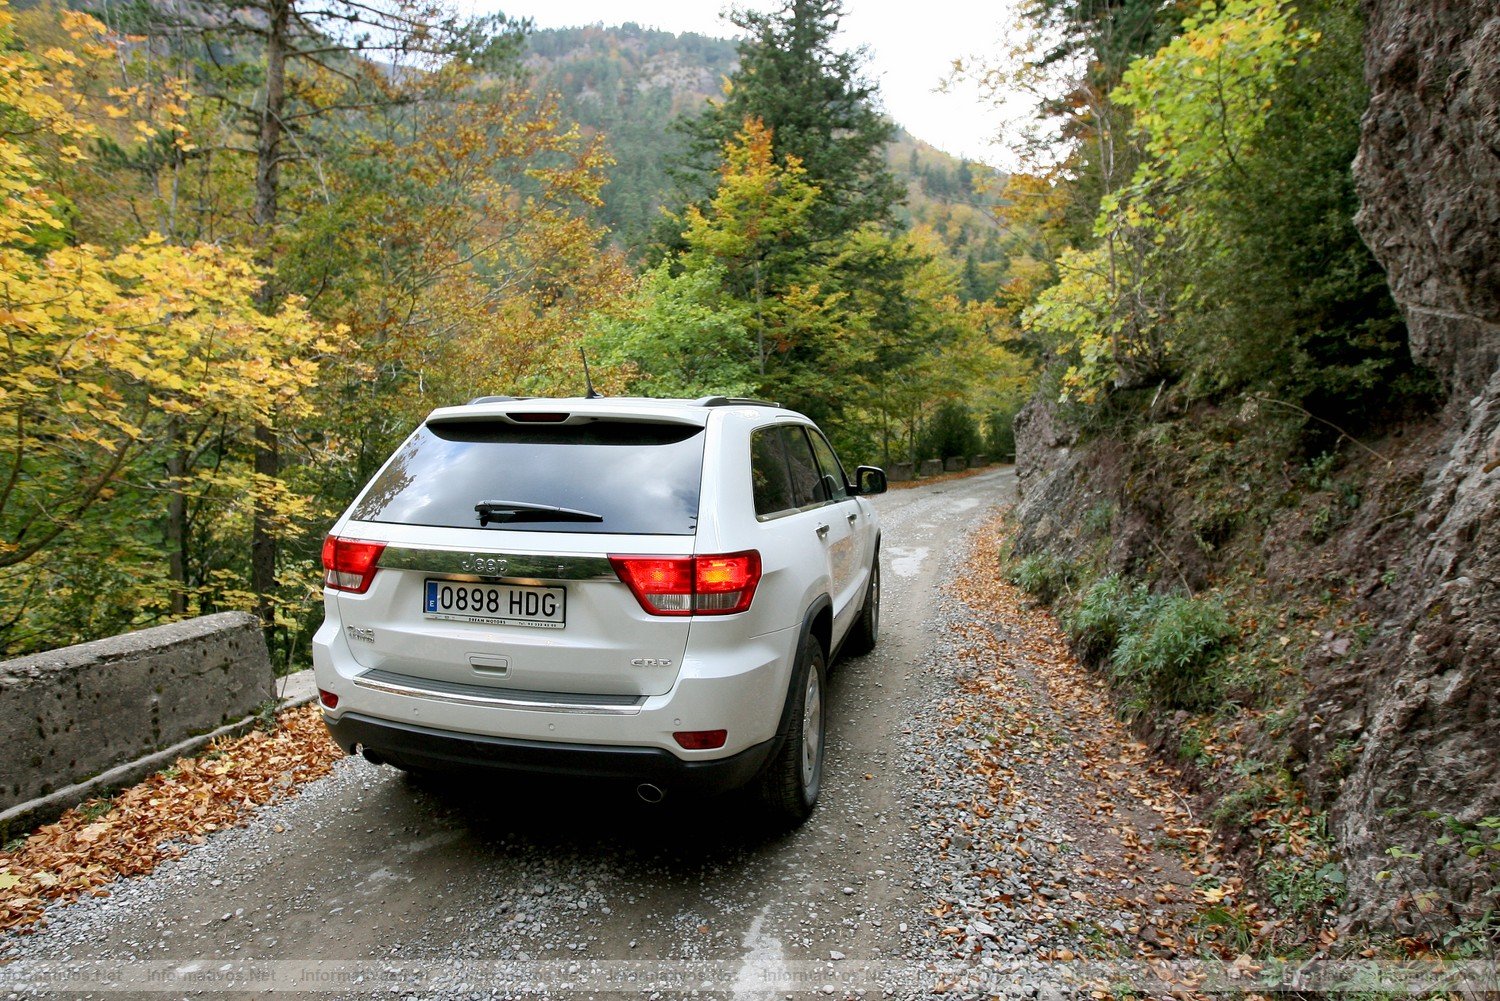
x: 820, y: 111
x: 1231, y: 260
x: 1293, y: 304
x: 680, y: 335
x: 951, y: 432
x: 816, y: 290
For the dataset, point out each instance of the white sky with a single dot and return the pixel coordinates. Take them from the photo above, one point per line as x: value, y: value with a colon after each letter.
x: 911, y: 47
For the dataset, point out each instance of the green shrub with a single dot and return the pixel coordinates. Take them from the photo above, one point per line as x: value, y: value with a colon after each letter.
x: 1098, y: 519
x: 1044, y: 576
x: 1302, y: 887
x: 1166, y: 653
x: 1096, y: 622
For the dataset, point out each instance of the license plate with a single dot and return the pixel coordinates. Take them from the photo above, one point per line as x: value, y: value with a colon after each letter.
x: 499, y: 604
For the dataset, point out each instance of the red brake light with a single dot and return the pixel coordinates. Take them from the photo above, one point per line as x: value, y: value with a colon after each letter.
x: 350, y: 563
x: 688, y: 585
x: 662, y: 584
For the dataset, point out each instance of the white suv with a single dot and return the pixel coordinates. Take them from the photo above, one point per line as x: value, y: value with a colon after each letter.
x: 632, y: 589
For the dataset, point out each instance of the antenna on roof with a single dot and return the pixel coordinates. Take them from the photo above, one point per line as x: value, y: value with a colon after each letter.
x: 588, y: 381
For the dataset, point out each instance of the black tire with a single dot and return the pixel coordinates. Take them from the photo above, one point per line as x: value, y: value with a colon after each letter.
x: 865, y: 632
x: 790, y: 781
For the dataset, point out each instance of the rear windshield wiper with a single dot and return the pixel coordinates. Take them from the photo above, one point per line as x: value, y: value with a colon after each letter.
x: 504, y: 510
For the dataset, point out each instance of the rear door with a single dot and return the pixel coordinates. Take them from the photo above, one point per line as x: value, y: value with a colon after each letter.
x: 498, y: 534
x: 800, y: 504
x: 842, y: 516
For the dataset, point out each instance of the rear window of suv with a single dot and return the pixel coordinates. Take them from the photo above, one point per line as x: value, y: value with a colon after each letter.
x: 618, y: 477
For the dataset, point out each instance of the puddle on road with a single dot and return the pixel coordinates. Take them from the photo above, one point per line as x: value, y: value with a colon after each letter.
x: 907, y: 561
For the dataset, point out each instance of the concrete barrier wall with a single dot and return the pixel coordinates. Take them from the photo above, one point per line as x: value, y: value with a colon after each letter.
x: 979, y: 461
x: 899, y: 472
x: 68, y: 715
x: 955, y: 464
x: 931, y: 467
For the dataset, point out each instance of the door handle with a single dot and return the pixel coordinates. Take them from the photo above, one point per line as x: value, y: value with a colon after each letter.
x: 853, y: 518
x: 822, y: 531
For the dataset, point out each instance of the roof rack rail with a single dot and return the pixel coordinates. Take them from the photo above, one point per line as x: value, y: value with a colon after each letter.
x: 493, y: 399
x: 732, y: 401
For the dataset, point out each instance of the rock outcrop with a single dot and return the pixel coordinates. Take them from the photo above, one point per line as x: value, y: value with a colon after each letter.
x: 1428, y: 174
x: 1429, y: 179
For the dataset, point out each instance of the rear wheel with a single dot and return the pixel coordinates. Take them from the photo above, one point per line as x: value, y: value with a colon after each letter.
x: 866, y: 629
x: 789, y: 785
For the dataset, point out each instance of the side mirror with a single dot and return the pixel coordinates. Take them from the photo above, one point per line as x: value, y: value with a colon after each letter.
x: 869, y: 480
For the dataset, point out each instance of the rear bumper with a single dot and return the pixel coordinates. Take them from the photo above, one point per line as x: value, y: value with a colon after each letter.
x: 420, y: 747
x: 724, y: 683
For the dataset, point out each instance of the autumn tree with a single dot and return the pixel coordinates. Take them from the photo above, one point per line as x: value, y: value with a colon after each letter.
x: 795, y: 153
x: 1240, y: 210
x: 744, y: 256
x: 453, y: 240
x: 289, y: 69
x: 745, y: 309
x: 112, y: 357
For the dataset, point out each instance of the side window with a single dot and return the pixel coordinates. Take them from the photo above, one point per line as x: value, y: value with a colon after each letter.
x: 807, y: 487
x: 835, y: 486
x: 770, y: 483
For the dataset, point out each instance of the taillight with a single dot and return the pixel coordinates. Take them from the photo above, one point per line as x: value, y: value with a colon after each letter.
x: 350, y: 563
x: 725, y: 583
x: 691, y: 585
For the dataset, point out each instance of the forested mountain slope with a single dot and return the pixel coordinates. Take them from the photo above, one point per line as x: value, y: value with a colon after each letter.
x: 631, y: 83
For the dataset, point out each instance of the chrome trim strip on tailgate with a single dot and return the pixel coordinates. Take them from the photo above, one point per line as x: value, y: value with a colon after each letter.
x: 511, y: 698
x: 481, y: 566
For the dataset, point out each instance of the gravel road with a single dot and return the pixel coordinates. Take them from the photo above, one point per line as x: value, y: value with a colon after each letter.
x: 410, y: 890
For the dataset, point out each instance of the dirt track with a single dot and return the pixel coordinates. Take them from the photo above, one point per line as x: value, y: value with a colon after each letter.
x: 483, y: 890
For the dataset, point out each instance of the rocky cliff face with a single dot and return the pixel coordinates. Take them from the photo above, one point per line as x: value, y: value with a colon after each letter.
x: 1429, y: 179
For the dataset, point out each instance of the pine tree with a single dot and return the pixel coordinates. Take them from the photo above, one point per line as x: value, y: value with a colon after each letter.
x: 819, y: 108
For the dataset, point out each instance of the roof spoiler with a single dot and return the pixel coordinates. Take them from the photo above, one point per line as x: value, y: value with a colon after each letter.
x: 732, y: 401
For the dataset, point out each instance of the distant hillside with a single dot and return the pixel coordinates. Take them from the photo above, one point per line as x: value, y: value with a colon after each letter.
x: 631, y: 82
x: 953, y: 198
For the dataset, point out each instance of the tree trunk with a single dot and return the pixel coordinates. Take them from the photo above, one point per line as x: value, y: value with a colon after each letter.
x: 177, y: 534
x: 885, y: 427
x: 267, y: 169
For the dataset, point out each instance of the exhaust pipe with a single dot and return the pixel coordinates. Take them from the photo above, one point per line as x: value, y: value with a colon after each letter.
x: 649, y: 793
x: 373, y: 757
